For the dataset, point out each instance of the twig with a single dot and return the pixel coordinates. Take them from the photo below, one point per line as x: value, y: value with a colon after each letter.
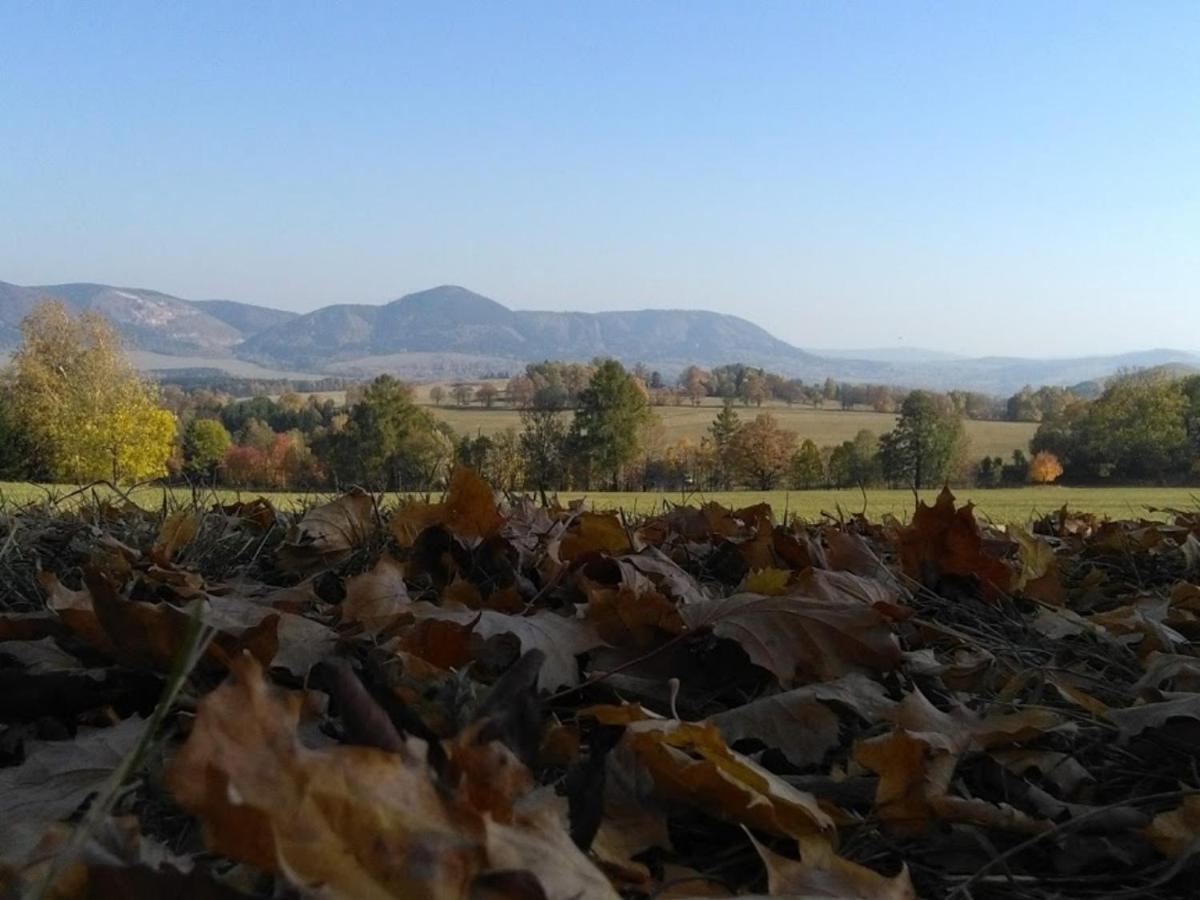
x: 963, y: 889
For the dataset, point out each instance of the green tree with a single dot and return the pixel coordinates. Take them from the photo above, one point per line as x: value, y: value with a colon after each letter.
x: 87, y: 412
x: 927, y: 441
x: 807, y: 469
x: 856, y: 462
x: 610, y: 415
x: 542, y: 440
x: 205, y: 442
x: 388, y: 441
x: 722, y: 431
x: 17, y: 459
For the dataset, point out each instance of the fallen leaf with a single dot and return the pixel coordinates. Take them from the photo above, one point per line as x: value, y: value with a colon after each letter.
x: 326, y: 534
x: 821, y: 873
x: 800, y: 639
x: 559, y: 637
x: 56, y: 777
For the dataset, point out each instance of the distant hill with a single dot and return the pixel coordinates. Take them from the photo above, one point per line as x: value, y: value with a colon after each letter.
x: 449, y: 331
x: 148, y: 319
x: 454, y: 320
x: 245, y: 317
x: 890, y: 354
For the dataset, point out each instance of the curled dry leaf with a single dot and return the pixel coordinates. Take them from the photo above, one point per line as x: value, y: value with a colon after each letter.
x: 326, y: 534
x: 468, y: 511
x: 690, y: 763
x: 375, y: 599
x: 820, y: 874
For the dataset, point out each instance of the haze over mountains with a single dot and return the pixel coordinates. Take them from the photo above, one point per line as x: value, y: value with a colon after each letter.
x: 449, y: 331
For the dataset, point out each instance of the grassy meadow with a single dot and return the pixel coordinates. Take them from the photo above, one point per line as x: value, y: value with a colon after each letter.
x: 1000, y: 505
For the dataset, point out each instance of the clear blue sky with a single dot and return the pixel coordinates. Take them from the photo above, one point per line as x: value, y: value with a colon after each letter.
x: 977, y: 177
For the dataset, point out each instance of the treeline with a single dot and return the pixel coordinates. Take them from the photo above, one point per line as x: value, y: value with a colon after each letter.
x: 73, y: 410
x: 1141, y: 429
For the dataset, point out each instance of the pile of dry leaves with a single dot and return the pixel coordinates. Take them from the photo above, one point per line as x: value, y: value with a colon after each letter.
x: 486, y: 699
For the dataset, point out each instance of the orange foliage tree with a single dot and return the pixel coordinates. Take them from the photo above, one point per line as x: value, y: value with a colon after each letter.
x: 1044, y: 468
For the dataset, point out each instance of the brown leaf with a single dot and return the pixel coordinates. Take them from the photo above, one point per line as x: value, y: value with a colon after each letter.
x: 945, y: 541
x: 326, y: 534
x: 375, y: 599
x: 593, y: 533
x: 178, y: 530
x: 1176, y: 833
x: 820, y: 873
x: 56, y: 777
x: 351, y: 822
x: 559, y: 637
x: 468, y: 511
x: 799, y: 639
x: 800, y: 723
x: 692, y: 765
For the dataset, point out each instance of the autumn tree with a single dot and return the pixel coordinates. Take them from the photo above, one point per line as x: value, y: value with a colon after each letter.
x: 1044, y: 468
x: 694, y: 382
x: 520, y: 391
x: 87, y: 412
x: 486, y: 394
x: 205, y: 443
x: 437, y: 394
x: 609, y: 418
x: 761, y: 451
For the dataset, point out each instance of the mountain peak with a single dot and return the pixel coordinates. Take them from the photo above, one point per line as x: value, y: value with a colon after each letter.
x: 448, y: 299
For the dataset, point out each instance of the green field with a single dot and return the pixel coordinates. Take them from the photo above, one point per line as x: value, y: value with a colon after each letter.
x: 1000, y: 505
x: 828, y: 426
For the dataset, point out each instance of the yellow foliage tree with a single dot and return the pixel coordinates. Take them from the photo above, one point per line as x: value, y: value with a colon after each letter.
x: 88, y: 411
x: 1044, y: 468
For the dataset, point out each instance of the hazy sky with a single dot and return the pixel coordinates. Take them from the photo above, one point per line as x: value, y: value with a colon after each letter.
x: 977, y: 177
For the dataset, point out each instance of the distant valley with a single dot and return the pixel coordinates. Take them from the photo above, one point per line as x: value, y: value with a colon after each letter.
x: 450, y: 331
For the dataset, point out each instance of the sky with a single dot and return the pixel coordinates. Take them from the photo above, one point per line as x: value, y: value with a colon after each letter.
x: 976, y: 177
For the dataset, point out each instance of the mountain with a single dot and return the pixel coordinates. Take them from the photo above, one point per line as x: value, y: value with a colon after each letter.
x: 245, y: 317
x: 147, y: 319
x: 449, y: 331
x: 451, y: 319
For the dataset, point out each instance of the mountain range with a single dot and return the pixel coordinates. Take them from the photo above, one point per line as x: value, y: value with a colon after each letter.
x: 450, y: 331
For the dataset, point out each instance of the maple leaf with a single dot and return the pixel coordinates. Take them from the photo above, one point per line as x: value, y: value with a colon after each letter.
x: 797, y: 638
x: 801, y: 723
x: 353, y: 822
x: 559, y: 637
x: 468, y: 511
x: 944, y: 541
